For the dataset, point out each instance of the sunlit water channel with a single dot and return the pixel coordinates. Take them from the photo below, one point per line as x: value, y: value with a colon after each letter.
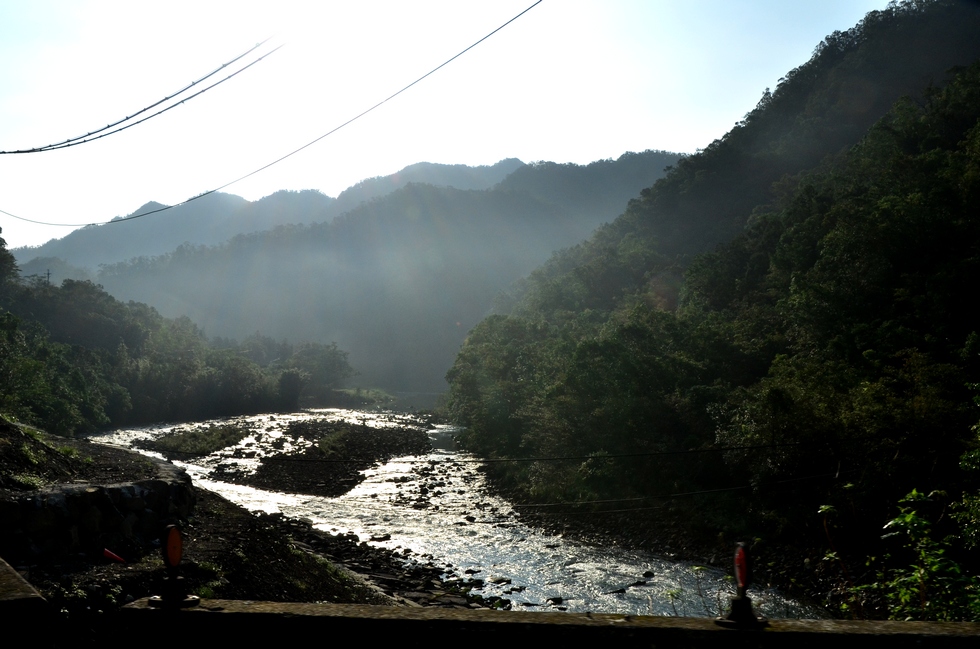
x: 438, y: 506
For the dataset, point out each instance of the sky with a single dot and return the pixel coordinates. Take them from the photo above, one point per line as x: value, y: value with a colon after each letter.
x: 569, y: 81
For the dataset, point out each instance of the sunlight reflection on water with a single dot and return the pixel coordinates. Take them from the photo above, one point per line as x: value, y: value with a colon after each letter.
x: 438, y: 507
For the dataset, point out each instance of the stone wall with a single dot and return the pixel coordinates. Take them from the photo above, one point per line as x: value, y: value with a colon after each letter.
x: 58, y: 522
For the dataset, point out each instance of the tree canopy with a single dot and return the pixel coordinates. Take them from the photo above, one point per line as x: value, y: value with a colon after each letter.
x: 776, y: 317
x: 75, y: 359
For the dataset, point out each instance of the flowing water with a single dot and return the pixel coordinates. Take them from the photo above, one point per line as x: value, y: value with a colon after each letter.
x: 438, y: 506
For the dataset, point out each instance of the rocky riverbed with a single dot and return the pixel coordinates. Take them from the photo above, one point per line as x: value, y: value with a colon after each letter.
x: 440, y: 506
x: 329, y: 459
x: 429, y: 528
x: 229, y: 552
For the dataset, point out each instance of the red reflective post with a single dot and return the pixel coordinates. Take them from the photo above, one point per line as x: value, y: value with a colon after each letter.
x: 743, y: 571
x: 741, y: 615
x: 173, y: 547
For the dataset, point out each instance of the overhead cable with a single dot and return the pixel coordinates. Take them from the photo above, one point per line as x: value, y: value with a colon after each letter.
x: 559, y: 458
x: 82, y: 139
x: 684, y: 494
x: 288, y: 155
x: 162, y: 110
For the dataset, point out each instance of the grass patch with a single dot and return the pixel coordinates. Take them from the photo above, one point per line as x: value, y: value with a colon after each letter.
x: 28, y: 454
x: 333, y: 443
x: 205, y: 592
x: 28, y: 481
x: 198, y: 441
x: 368, y: 396
x: 211, y: 588
x: 68, y: 451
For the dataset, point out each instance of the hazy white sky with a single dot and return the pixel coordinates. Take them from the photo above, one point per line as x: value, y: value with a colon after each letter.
x: 570, y: 81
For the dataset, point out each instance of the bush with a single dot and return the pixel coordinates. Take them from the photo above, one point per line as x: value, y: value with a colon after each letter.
x: 934, y: 586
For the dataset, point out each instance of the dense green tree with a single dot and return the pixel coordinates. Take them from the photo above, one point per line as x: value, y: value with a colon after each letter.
x: 264, y: 350
x: 74, y: 359
x: 823, y: 350
x: 325, y: 367
x: 8, y: 265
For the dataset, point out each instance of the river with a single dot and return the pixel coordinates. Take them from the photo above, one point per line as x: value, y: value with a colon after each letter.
x: 439, y: 507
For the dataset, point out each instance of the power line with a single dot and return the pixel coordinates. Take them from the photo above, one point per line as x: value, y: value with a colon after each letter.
x: 566, y: 458
x: 452, y: 459
x: 377, y: 105
x: 376, y: 504
x: 288, y: 155
x: 561, y: 458
x: 162, y: 110
x: 82, y: 139
x: 684, y: 494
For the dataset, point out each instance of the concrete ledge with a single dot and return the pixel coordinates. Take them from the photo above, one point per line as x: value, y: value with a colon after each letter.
x: 246, y: 621
x: 17, y: 597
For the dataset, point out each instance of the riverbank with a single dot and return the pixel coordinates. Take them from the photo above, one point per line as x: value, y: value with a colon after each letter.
x: 424, y: 488
x: 681, y: 530
x: 229, y: 552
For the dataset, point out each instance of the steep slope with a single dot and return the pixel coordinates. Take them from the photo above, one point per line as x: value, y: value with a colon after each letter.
x: 822, y: 358
x: 818, y: 109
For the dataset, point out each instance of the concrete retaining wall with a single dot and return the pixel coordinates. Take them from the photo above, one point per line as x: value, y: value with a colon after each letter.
x: 71, y: 519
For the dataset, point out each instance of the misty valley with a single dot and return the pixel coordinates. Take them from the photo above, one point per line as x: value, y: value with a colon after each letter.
x: 771, y: 340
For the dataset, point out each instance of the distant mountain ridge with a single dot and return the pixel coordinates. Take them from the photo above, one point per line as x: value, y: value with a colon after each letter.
x: 396, y: 281
x: 427, y: 173
x: 216, y: 218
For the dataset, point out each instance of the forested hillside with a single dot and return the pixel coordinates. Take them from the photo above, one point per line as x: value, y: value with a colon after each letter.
x: 783, y: 324
x: 75, y: 359
x: 216, y: 218
x: 398, y: 281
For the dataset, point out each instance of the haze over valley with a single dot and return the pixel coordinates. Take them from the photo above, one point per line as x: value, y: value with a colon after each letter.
x: 771, y: 335
x: 397, y: 280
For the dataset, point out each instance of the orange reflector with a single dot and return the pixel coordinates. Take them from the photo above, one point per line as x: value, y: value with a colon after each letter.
x: 173, y: 546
